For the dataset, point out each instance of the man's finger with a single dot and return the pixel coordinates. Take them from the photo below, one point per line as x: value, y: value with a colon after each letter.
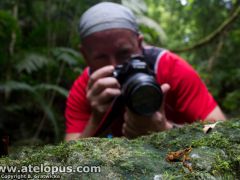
x: 165, y: 88
x: 100, y: 73
x: 108, y: 94
x: 103, y: 83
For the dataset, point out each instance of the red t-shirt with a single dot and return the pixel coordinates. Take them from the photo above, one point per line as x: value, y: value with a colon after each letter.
x: 187, y: 101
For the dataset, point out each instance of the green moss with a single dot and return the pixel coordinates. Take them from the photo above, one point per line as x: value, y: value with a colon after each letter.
x: 214, y: 139
x: 221, y: 166
x: 214, y: 155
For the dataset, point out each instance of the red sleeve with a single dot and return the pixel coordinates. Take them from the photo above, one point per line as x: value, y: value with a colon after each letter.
x: 77, y: 110
x: 189, y: 97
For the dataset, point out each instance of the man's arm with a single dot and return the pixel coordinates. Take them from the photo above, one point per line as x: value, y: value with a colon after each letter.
x: 72, y: 136
x: 215, y: 115
x: 87, y: 132
x: 77, y: 110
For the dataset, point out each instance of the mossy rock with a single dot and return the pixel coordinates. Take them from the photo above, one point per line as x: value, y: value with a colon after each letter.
x: 215, y: 155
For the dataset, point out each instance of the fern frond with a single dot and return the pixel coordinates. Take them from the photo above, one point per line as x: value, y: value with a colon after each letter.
x: 14, y: 85
x: 32, y: 62
x: 67, y: 55
x: 50, y: 87
x: 66, y: 50
x: 150, y: 23
x: 139, y: 7
x: 20, y: 86
x: 49, y: 113
x: 13, y: 108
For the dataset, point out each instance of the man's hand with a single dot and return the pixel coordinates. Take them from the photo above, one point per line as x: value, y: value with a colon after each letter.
x: 101, y: 90
x: 136, y: 125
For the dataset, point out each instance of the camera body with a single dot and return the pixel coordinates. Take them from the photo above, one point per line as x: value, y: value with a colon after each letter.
x: 140, y: 91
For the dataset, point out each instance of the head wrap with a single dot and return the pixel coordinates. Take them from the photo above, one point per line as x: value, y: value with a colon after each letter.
x: 104, y: 16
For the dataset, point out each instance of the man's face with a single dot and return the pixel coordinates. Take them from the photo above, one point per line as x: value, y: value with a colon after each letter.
x: 110, y: 47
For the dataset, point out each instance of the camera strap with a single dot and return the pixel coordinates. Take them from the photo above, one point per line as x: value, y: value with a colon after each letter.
x: 110, y: 115
x: 151, y: 55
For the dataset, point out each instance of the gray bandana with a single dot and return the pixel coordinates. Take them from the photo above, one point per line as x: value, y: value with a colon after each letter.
x: 105, y: 16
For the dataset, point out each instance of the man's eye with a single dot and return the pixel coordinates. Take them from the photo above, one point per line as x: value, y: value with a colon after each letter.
x: 100, y: 57
x: 125, y: 55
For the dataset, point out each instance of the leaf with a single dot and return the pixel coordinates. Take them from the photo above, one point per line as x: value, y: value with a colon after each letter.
x: 67, y: 55
x: 137, y: 6
x: 13, y: 108
x: 49, y: 113
x: 13, y: 85
x: 8, y: 24
x: 48, y: 87
x: 150, y: 23
x: 231, y: 102
x: 32, y: 62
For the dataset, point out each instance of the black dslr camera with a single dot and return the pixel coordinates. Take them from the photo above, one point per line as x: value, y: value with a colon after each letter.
x: 140, y: 91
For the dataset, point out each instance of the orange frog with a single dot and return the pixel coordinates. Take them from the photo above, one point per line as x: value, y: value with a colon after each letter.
x: 180, y: 156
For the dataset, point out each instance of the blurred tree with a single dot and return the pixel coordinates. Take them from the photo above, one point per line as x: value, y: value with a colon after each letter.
x: 209, y: 33
x: 39, y: 61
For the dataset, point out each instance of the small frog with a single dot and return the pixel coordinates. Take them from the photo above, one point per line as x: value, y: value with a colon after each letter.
x: 180, y: 156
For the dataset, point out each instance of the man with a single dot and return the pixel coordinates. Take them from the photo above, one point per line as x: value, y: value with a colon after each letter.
x: 109, y: 35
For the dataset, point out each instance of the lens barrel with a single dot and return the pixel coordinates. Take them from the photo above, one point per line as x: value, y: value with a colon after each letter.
x: 142, y: 94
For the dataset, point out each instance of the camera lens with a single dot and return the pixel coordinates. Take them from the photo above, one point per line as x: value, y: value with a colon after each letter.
x: 143, y: 95
x: 146, y: 100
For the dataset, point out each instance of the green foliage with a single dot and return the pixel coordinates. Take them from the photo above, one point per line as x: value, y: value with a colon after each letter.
x: 35, y: 91
x: 67, y: 55
x: 189, y: 23
x: 232, y: 100
x: 38, y: 64
x: 150, y: 28
x: 50, y: 87
x: 8, y: 24
x: 32, y: 62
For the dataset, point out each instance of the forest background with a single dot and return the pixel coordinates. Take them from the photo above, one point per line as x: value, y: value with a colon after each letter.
x: 39, y: 56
